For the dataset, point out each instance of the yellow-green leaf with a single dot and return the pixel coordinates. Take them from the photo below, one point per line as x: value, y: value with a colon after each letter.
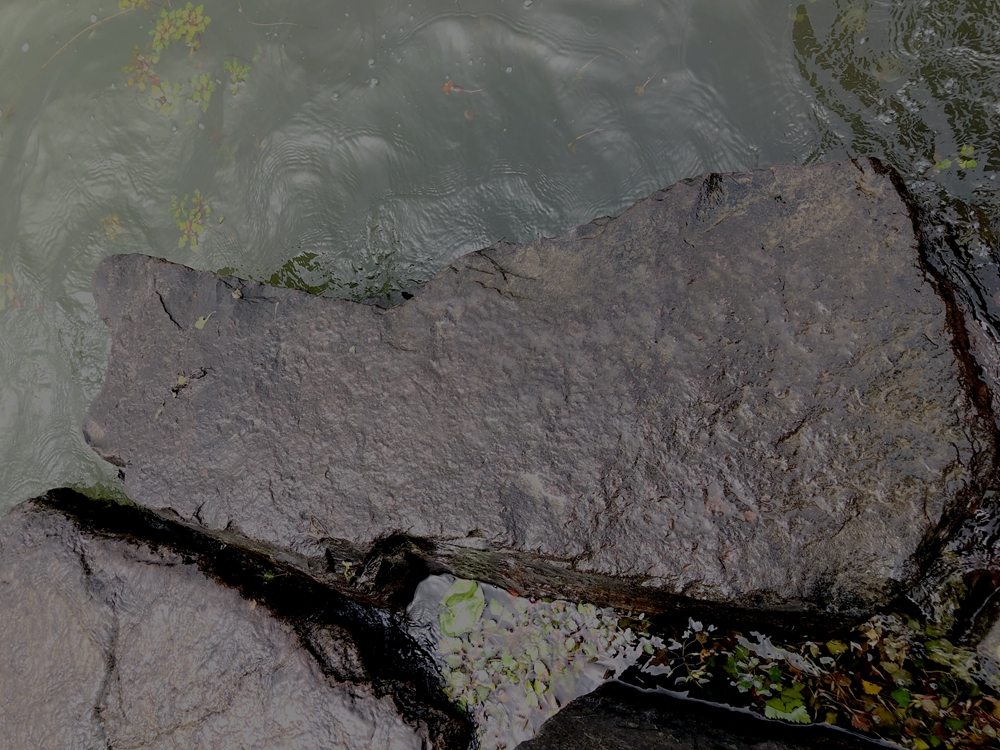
x: 836, y: 647
x: 200, y: 323
x: 871, y: 688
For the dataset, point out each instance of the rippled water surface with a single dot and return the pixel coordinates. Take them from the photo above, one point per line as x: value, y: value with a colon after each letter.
x: 353, y: 147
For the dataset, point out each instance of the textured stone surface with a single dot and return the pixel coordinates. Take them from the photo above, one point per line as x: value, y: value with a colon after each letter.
x: 616, y: 717
x: 112, y: 644
x: 745, y: 389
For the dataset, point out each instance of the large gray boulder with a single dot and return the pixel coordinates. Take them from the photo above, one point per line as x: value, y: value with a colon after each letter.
x: 112, y: 643
x: 748, y: 388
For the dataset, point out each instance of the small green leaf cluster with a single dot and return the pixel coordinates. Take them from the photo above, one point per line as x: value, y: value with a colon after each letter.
x: 788, y: 704
x: 181, y: 23
x: 164, y: 97
x: 140, y: 69
x: 190, y: 219
x: 201, y: 90
x: 964, y: 159
x: 237, y: 74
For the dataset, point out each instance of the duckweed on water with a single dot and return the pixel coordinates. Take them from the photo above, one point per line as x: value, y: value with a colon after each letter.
x: 511, y: 662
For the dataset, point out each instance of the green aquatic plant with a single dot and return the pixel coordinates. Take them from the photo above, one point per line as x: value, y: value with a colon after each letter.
x: 140, y: 68
x: 133, y: 4
x: 164, y: 97
x: 167, y: 30
x: 965, y: 160
x: 201, y: 90
x: 190, y: 219
x: 181, y: 23
x: 237, y: 74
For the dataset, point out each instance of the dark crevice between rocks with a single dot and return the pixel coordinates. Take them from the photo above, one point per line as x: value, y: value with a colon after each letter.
x: 398, y: 564
x: 396, y: 664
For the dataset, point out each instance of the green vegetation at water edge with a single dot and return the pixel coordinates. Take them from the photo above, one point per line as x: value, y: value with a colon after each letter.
x: 891, y: 678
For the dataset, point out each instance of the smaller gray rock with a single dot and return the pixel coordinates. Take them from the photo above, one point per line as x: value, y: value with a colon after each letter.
x: 618, y: 717
x: 111, y: 643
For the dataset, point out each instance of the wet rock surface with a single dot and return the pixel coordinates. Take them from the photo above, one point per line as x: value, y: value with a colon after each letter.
x: 107, y: 640
x: 617, y: 717
x: 746, y: 389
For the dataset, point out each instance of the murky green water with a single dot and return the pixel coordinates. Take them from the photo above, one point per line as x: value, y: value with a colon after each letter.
x: 334, y: 153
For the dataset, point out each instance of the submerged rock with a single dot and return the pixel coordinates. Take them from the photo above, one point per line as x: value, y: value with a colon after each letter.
x: 106, y: 642
x: 747, y: 389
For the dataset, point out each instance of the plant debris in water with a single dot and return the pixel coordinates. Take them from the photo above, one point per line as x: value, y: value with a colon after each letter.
x: 512, y: 662
x: 893, y: 679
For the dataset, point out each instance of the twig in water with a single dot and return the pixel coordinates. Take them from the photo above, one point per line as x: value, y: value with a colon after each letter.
x: 276, y: 23
x: 572, y: 143
x: 92, y: 26
x: 641, y: 90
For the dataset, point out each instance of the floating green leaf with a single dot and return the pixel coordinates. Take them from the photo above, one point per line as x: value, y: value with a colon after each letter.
x: 463, y: 602
x: 237, y: 74
x: 788, y: 705
x: 902, y: 697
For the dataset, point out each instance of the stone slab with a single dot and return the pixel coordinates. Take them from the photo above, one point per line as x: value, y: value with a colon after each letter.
x: 106, y: 642
x: 747, y: 388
